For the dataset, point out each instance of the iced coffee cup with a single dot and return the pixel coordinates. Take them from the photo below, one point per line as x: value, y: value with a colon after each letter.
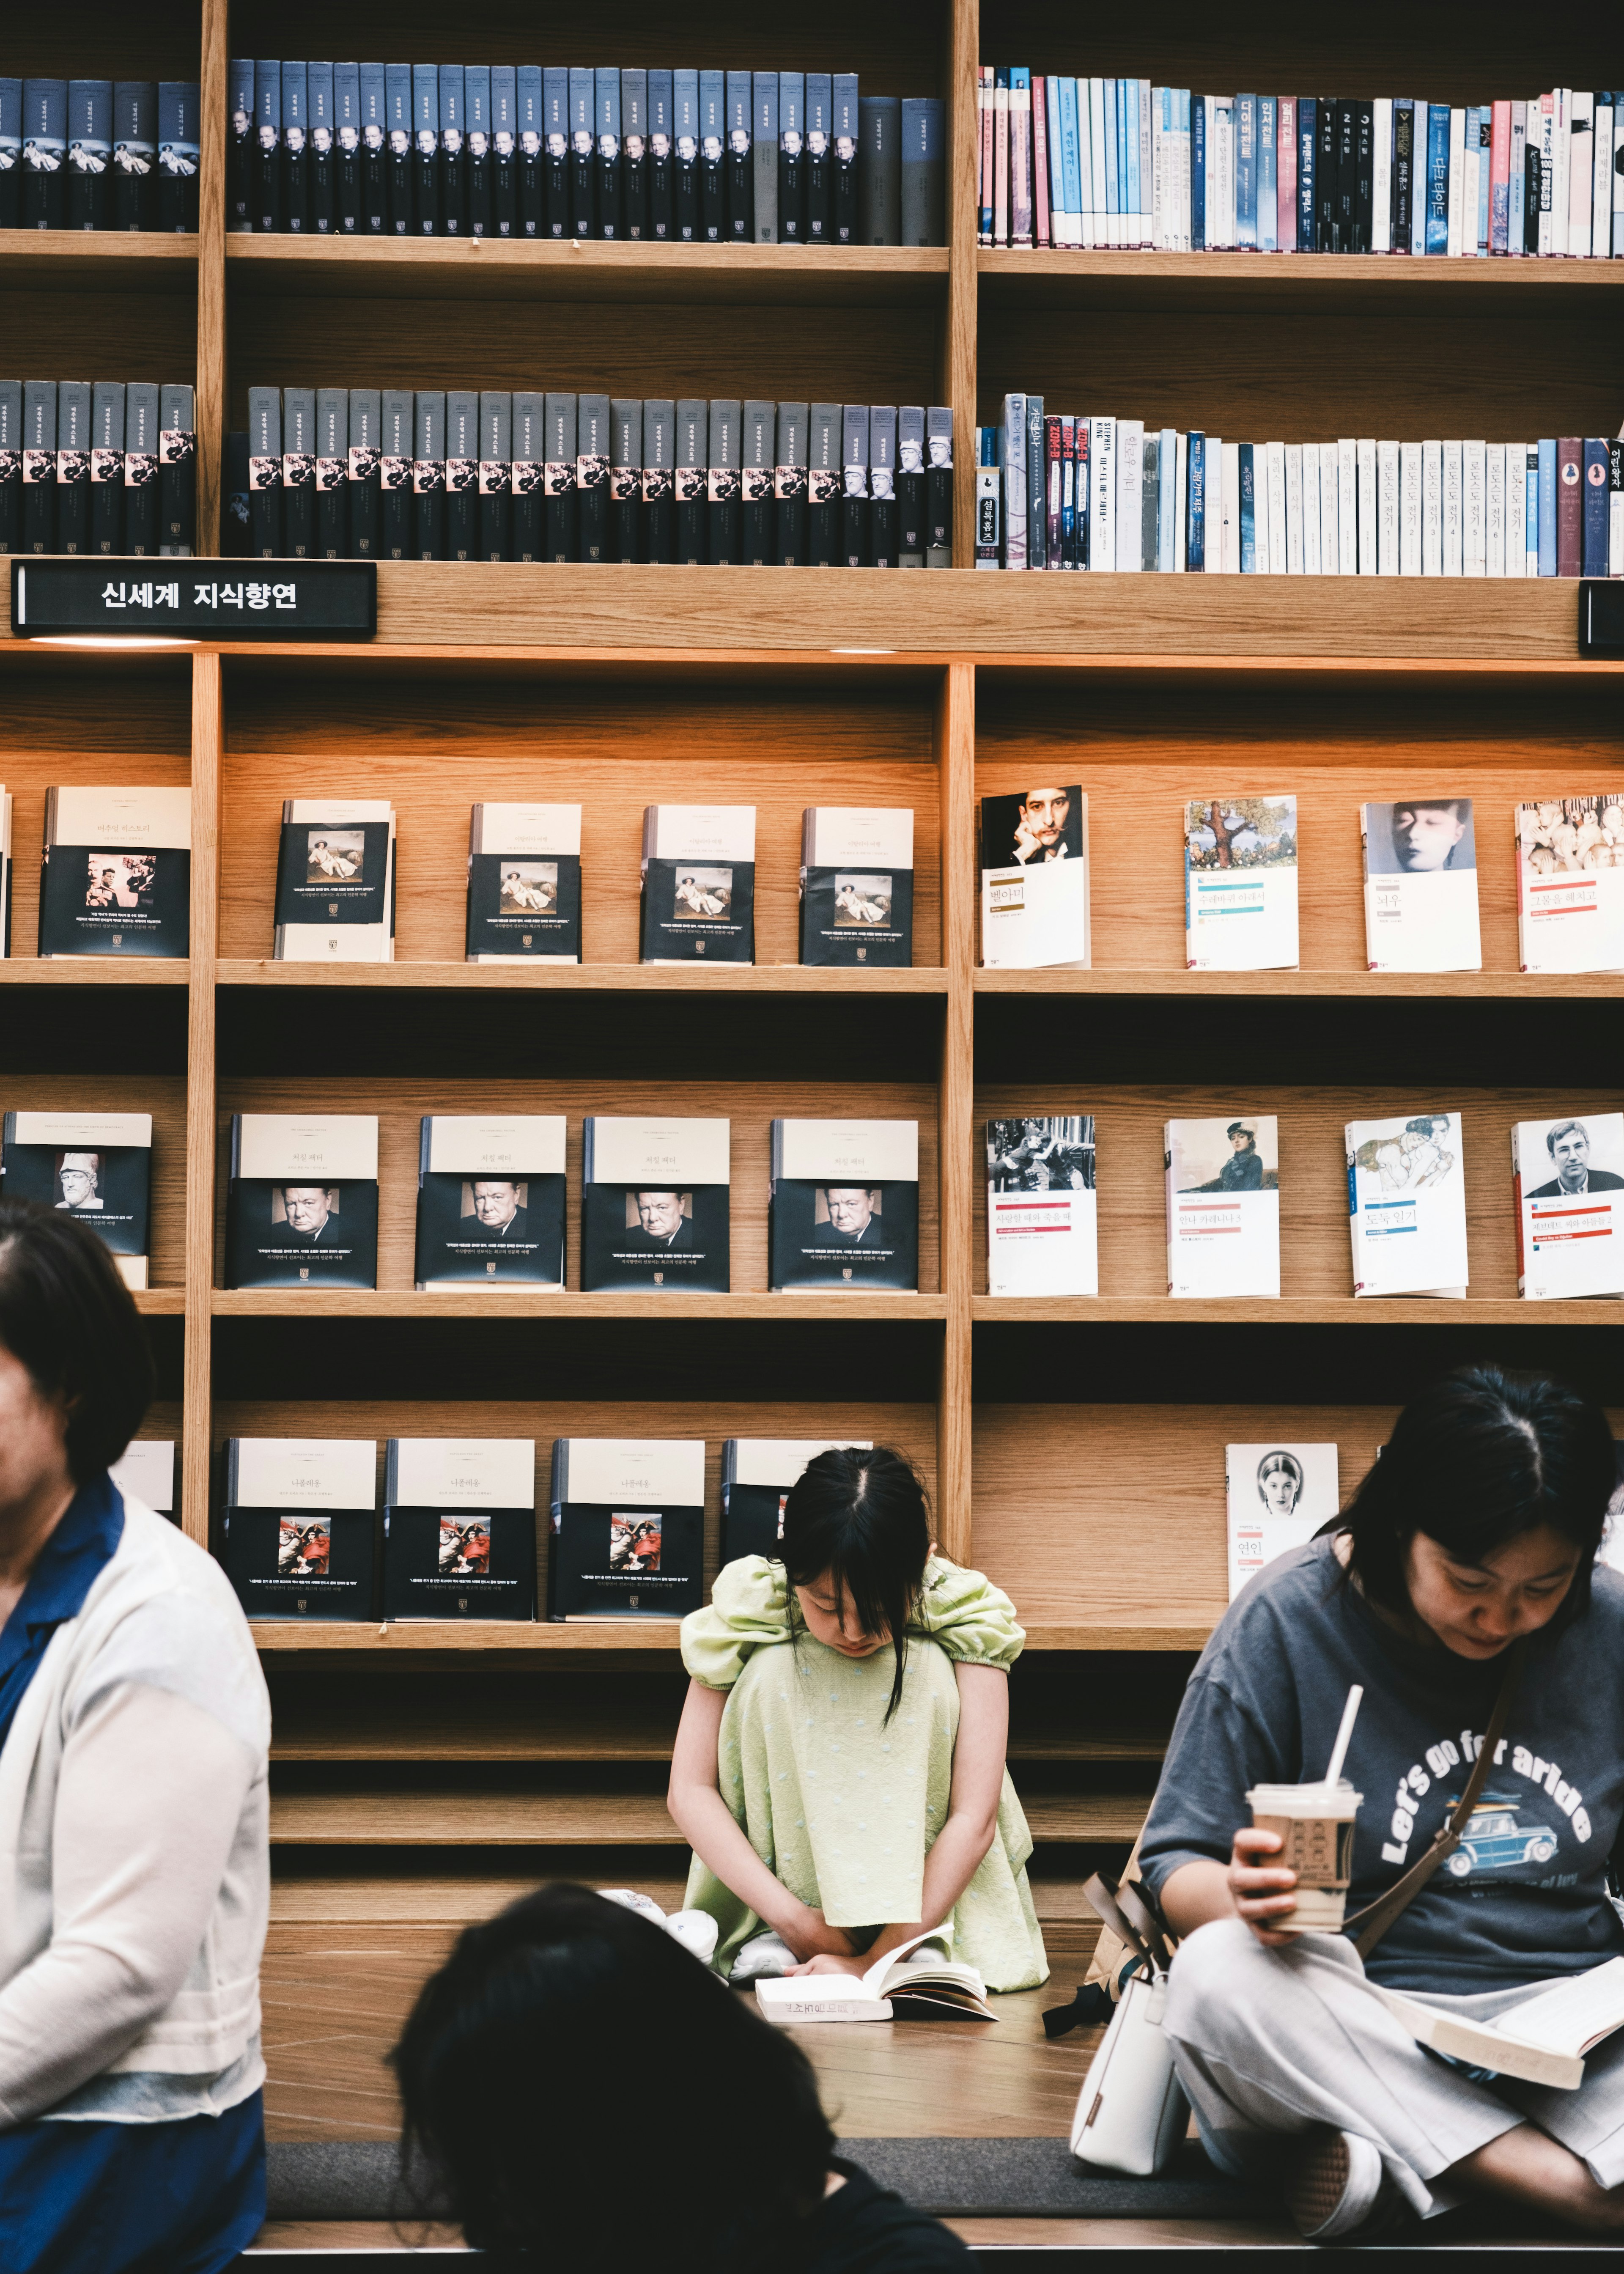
x: 1315, y: 1823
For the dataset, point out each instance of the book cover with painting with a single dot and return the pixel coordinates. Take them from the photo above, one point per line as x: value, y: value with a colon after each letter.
x: 459, y: 1528
x: 1407, y: 1205
x: 1042, y: 1233
x: 1240, y: 884
x: 1570, y: 884
x: 628, y: 1534
x: 1224, y: 1205
x: 1567, y: 1178
x: 299, y: 1530
x: 1421, y: 885
x: 1278, y: 1495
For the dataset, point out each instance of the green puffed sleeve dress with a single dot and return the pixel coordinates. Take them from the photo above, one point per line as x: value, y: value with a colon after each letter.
x: 841, y: 1804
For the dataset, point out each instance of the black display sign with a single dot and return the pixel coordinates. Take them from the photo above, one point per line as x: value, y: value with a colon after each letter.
x: 1601, y: 618
x: 189, y: 598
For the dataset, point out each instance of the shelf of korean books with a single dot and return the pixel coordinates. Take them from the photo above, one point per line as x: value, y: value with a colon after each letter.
x: 1199, y: 282
x: 99, y: 261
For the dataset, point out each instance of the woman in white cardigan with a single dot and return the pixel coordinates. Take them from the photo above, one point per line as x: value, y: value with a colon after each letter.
x: 134, y: 1730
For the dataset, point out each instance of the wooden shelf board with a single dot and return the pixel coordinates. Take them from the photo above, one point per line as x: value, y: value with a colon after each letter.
x: 103, y: 261
x: 1443, y: 985
x: 475, y: 1302
x: 645, y: 273
x: 589, y: 978
x: 1294, y: 1311
x: 1120, y: 1634
x: 1206, y: 281
x: 160, y: 1302
x: 474, y: 1635
x: 94, y: 971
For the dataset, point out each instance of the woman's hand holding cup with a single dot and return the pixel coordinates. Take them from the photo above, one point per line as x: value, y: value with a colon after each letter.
x: 1261, y: 1892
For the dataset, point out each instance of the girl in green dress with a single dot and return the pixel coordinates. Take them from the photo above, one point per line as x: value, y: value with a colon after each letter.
x: 839, y: 1770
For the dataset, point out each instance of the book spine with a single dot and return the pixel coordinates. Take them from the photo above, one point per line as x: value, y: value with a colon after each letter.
x: 495, y: 472
x: 764, y: 156
x: 1037, y: 518
x: 365, y: 427
x: 1001, y: 156
x: 606, y: 85
x: 178, y: 156
x: 986, y: 485
x: 692, y: 480
x: 90, y: 148
x: 529, y: 451
x: 530, y: 157
x: 823, y: 485
x: 756, y: 455
x: 791, y: 158
x: 922, y: 173
x: 1020, y: 158
x: 424, y: 161
x: 462, y: 475
x: 73, y: 402
x: 712, y: 146
x: 295, y: 148
x: 790, y: 485
x: 883, y: 486
x: 265, y: 470
x: 396, y: 517
x: 879, y: 172
x: 452, y: 216
x: 684, y: 149
x: 1593, y: 559
x: 478, y: 154
x: 299, y: 472
x: 910, y: 486
x: 240, y: 151
x: 739, y: 162
x: 555, y: 152
x: 1269, y: 186
x: 386, y: 148
x: 1041, y: 225
x: 592, y: 447
x: 659, y: 419
x: 332, y: 472
x: 1569, y: 506
x: 662, y: 155
x: 635, y: 154
x: 106, y: 465
x: 984, y: 123
x: 1012, y: 516
x: 267, y: 148
x: 558, y: 478
x: 504, y: 159
x: 322, y: 157
x: 939, y: 488
x: 1285, y: 188
x: 820, y: 158
x: 1615, y: 508
x: 724, y: 482
x: 582, y: 150
x: 625, y: 474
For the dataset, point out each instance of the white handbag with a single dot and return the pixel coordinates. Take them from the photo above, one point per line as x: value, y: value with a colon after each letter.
x: 1132, y: 2112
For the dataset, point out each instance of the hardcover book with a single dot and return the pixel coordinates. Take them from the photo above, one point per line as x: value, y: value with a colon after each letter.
x: 459, y: 1528
x: 336, y: 882
x: 90, y: 145
x: 1224, y: 1205
x: 654, y: 1204
x: 1240, y: 884
x: 857, y: 884
x: 1407, y: 1205
x: 1567, y: 1181
x: 117, y: 872
x: 142, y: 486
x: 491, y: 1200
x: 844, y: 1205
x: 1034, y: 880
x: 758, y: 1475
x: 1421, y: 885
x: 1570, y: 866
x: 628, y: 1532
x: 525, y: 884
x: 1277, y: 1498
x: 299, y: 1526
x: 1042, y: 1233
x: 698, y: 883
x: 177, y: 155
x: 96, y: 1166
x: 145, y: 1469
x: 302, y: 1208
x: 5, y: 872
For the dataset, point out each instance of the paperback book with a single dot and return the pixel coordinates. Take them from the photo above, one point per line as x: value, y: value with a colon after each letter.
x: 1240, y: 884
x: 844, y: 1205
x: 1421, y: 885
x: 96, y: 1166
x: 654, y: 1203
x: 1570, y: 883
x: 491, y: 1200
x: 1277, y: 1498
x: 699, y: 884
x: 1407, y: 1205
x: 758, y: 1475
x: 1567, y: 1181
x: 145, y: 1470
x: 919, y: 1978
x: 459, y: 1528
x: 1224, y: 1205
x: 302, y: 1206
x: 1034, y: 880
x: 525, y: 884
x: 1545, y: 2038
x: 335, y: 881
x: 627, y: 1538
x: 857, y: 884
x: 299, y: 1527
x: 116, y: 875
x: 1043, y: 1235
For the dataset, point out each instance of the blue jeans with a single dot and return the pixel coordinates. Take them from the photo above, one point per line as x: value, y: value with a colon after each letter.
x: 98, y: 2198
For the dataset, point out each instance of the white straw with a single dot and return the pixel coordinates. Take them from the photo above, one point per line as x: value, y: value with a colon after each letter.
x: 1339, y: 1751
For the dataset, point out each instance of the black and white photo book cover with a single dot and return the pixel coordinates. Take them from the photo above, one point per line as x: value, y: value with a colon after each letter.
x: 491, y: 1200
x: 655, y: 1203
x: 525, y: 884
x: 96, y: 1166
x: 1421, y: 885
x: 1042, y: 1223
x: 1568, y: 1185
x: 459, y: 1528
x: 758, y: 1475
x: 299, y: 1526
x: 844, y: 1205
x: 627, y: 1528
x: 335, y: 881
x: 1034, y: 880
x: 116, y: 873
x: 699, y: 884
x: 302, y: 1204
x: 857, y: 885
x: 1570, y: 865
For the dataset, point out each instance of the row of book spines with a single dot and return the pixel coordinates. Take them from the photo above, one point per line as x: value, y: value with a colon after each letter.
x: 1122, y: 164
x: 96, y: 153
x: 101, y: 467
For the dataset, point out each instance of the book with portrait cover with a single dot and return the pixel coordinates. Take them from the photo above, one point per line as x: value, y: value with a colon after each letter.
x: 1277, y: 1498
x: 1034, y: 880
x: 1570, y: 884
x: 857, y: 884
x: 459, y: 1528
x: 1224, y: 1205
x: 1042, y: 1233
x: 525, y: 884
x: 491, y: 1200
x: 302, y: 1206
x: 299, y: 1527
x: 757, y: 1475
x: 654, y: 1203
x: 335, y: 881
x: 1567, y: 1181
x: 843, y: 1209
x: 1421, y: 885
x: 627, y: 1528
x: 146, y: 1469
x: 1407, y: 1205
x: 698, y: 883
x: 1240, y: 884
x: 116, y: 877
x: 96, y: 1166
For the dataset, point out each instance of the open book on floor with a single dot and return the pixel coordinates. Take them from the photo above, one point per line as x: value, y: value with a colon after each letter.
x: 1544, y: 2041
x: 898, y: 1985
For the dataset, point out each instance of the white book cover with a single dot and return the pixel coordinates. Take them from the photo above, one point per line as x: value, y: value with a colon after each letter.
x: 699, y: 832
x: 884, y: 1152
x: 1277, y: 1498
x: 1034, y: 880
x: 1474, y: 508
x: 857, y: 837
x: 1601, y: 184
x: 1454, y: 511
x: 133, y: 820
x: 1457, y: 184
x: 146, y: 1468
x: 1516, y: 508
x: 1421, y: 885
x: 631, y: 1149
x: 302, y: 1472
x: 1311, y: 523
x: 779, y: 1463
x: 1294, y: 510
x: 1432, y: 508
x: 1568, y: 1181
x: 1230, y: 461
x: 1409, y: 509
x: 1348, y: 506
x: 460, y: 1473
x: 328, y: 1145
x: 1181, y: 503
x: 1570, y: 884
x: 1102, y: 493
x: 1494, y: 510
x: 1130, y: 493
x: 1275, y: 479
x: 1224, y: 1205
x: 1041, y: 1223
x: 1581, y: 172
x: 1407, y: 1205
x: 1240, y: 884
x: 640, y: 1471
x: 522, y: 829
x: 1561, y: 126
x: 1530, y: 523
x: 1330, y: 510
x: 1368, y: 532
x: 1386, y: 508
x: 1381, y: 176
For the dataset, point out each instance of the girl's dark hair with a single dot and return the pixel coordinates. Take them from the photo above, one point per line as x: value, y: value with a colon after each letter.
x: 575, y: 2083
x: 69, y: 1318
x: 1478, y: 1458
x: 863, y: 1518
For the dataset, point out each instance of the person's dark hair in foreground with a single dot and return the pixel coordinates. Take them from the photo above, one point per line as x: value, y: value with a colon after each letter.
x: 859, y: 1516
x: 579, y: 2090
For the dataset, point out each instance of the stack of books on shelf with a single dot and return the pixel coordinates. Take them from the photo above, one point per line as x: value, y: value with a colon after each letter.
x: 1118, y: 165
x: 108, y: 467
x: 98, y: 153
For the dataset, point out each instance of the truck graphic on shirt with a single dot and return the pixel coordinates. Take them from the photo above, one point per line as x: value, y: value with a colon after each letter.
x: 1495, y: 1841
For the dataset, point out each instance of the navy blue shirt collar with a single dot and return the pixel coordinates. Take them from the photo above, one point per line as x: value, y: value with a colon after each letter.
x: 83, y: 1543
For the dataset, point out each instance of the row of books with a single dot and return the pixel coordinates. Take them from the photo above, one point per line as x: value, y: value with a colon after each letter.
x: 99, y: 153
x: 106, y: 466
x: 329, y: 472
x: 1406, y: 1206
x: 1121, y: 165
x: 1107, y: 494
x: 732, y: 157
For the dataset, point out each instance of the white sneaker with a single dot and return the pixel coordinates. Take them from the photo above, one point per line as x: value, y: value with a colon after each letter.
x: 1333, y: 2186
